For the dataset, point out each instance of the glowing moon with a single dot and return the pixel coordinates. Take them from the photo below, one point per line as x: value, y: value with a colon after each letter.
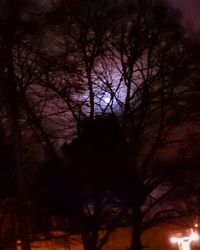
x: 107, y: 100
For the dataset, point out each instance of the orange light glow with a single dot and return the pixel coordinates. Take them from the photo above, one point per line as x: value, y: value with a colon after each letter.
x: 184, y: 242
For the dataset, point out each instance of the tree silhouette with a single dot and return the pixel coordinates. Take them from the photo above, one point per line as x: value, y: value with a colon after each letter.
x: 109, y: 78
x: 140, y: 70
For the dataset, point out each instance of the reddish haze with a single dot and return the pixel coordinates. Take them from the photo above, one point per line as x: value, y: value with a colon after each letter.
x: 190, y: 10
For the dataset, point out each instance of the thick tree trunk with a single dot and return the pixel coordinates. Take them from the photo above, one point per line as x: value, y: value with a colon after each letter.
x: 91, y: 226
x: 136, y: 243
x: 90, y: 240
x: 90, y: 234
x: 13, y: 118
x: 23, y: 225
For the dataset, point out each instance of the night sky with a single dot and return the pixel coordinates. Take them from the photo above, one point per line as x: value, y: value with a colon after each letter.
x: 191, y: 11
x: 189, y: 8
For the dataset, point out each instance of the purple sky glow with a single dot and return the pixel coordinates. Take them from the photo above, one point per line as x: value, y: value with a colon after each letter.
x: 190, y: 10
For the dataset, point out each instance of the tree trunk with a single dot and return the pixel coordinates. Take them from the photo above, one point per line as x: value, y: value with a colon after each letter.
x: 91, y: 224
x: 90, y: 240
x: 12, y: 106
x: 136, y: 230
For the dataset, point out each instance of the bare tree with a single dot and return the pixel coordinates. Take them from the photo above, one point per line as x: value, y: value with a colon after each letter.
x: 11, y: 34
x: 98, y: 58
x: 139, y: 71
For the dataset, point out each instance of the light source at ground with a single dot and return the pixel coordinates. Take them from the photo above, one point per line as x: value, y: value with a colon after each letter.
x: 184, y: 242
